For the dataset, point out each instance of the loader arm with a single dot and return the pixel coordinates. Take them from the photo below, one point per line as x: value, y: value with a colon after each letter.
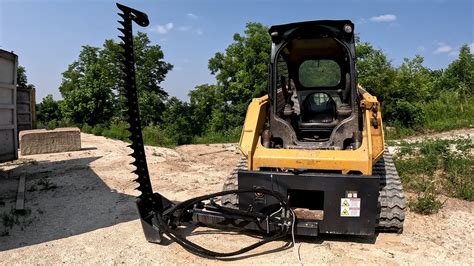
x: 253, y: 126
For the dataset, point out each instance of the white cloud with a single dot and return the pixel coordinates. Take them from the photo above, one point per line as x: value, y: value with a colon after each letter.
x: 443, y: 48
x: 199, y: 32
x: 184, y: 28
x: 191, y: 15
x: 162, y: 29
x: 384, y: 18
x: 471, y: 47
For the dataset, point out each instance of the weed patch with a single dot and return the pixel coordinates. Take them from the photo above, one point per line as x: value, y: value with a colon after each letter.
x: 426, y: 202
x: 431, y: 166
x: 14, y: 218
x: 43, y: 184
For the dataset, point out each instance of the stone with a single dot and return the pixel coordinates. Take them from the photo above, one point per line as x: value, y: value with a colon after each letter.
x: 40, y: 141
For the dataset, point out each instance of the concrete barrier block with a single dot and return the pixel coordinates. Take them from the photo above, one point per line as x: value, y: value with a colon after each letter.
x: 40, y: 141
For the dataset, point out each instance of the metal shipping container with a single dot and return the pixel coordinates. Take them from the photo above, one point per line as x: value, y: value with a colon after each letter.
x: 25, y: 108
x: 8, y: 126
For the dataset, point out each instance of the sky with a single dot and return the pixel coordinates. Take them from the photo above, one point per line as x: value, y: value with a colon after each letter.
x: 47, y: 35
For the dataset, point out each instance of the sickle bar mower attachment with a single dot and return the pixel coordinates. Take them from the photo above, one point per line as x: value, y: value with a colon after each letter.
x: 160, y: 216
x: 148, y: 203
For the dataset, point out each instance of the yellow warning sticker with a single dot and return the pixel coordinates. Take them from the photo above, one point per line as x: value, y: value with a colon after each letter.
x: 350, y: 207
x: 345, y: 203
x: 345, y: 212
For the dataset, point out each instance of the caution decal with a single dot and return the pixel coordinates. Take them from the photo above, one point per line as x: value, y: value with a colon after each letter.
x: 350, y: 207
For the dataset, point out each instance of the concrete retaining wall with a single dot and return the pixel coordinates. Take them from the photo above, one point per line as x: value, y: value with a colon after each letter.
x: 47, y: 141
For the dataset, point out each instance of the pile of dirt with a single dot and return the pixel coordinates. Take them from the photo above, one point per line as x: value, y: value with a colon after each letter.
x: 81, y: 210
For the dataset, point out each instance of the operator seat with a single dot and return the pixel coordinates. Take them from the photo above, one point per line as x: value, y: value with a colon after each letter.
x: 319, y: 112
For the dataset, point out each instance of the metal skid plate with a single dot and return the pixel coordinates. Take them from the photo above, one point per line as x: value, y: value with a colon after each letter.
x: 334, y: 188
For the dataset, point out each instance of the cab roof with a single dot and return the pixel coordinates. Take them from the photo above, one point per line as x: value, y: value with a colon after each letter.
x: 316, y: 27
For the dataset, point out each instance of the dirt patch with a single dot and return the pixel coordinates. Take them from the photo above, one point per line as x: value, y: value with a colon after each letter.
x: 88, y: 214
x: 453, y: 134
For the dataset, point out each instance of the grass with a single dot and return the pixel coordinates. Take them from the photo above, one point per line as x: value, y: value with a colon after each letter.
x: 156, y: 136
x: 50, y: 125
x: 448, y: 111
x: 231, y: 136
x: 152, y: 135
x: 436, y: 167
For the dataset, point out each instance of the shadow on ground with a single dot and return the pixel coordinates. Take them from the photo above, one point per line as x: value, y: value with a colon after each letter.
x: 63, y: 198
x: 67, y: 198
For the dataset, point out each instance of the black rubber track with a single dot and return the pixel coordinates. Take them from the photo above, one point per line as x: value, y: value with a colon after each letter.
x: 392, y: 204
x: 231, y: 183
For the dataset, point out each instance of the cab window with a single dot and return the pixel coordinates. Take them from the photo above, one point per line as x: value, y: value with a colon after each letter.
x: 319, y: 73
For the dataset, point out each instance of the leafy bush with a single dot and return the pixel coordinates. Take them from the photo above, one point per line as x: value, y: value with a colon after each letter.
x: 98, y: 129
x: 426, y: 203
x: 118, y: 130
x: 52, y: 124
x: 152, y: 135
x: 450, y: 110
x: 409, y: 114
x: 155, y: 136
x: 86, y: 129
x: 229, y: 136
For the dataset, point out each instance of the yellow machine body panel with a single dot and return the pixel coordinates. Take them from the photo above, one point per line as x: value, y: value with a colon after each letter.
x: 359, y: 160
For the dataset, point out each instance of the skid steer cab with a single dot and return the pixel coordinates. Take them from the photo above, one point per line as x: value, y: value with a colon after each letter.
x: 316, y: 135
x: 313, y: 149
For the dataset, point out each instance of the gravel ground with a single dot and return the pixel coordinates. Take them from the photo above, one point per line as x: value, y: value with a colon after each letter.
x: 81, y: 210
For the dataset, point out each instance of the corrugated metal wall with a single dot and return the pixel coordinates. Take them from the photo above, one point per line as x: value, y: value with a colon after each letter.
x: 8, y: 125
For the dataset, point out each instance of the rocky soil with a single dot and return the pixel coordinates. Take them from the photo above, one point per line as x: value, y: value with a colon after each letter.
x: 80, y: 209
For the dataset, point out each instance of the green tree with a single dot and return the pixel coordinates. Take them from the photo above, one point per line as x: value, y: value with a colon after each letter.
x: 86, y: 89
x: 177, y: 121
x: 204, y: 99
x: 21, y: 79
x: 48, y: 110
x: 413, y: 80
x: 374, y: 71
x: 460, y: 73
x: 241, y: 74
x: 411, y: 89
x: 151, y: 70
x: 91, y: 85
